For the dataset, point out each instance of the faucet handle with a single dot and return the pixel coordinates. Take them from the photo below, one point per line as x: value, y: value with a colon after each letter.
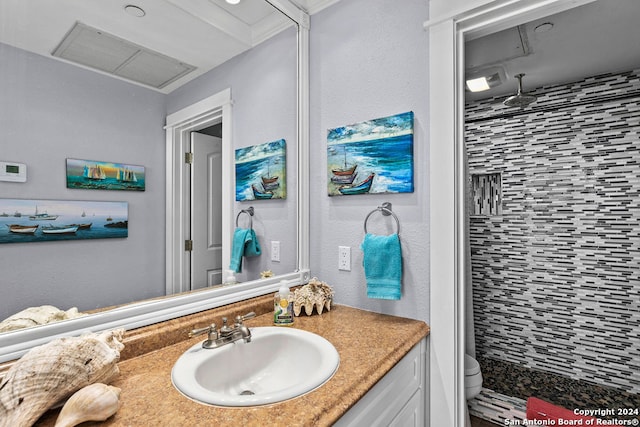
x: 201, y: 331
x: 240, y: 319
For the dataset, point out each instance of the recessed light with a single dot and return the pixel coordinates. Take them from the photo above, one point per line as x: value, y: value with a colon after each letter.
x: 543, y: 28
x: 133, y: 10
x: 233, y: 1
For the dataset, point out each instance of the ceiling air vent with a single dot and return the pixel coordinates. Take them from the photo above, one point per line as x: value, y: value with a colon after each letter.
x: 105, y: 52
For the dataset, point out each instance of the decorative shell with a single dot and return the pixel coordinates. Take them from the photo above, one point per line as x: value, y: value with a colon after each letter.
x: 316, y: 294
x: 48, y: 374
x: 95, y: 402
x: 34, y: 316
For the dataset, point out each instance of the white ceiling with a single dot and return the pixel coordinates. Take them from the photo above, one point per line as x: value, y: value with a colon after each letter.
x: 202, y: 33
x: 596, y: 38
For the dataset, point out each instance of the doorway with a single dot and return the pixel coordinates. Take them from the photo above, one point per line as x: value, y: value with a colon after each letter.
x: 215, y: 110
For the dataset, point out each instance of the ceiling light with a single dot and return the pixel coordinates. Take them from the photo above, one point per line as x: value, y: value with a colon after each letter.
x: 136, y: 11
x: 478, y: 85
x: 233, y: 1
x: 543, y: 28
x: 480, y: 80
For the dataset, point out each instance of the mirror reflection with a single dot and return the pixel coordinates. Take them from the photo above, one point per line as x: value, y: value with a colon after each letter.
x: 93, y: 80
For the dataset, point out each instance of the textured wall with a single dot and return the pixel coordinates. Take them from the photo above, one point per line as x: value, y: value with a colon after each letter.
x: 369, y: 60
x: 556, y: 276
x: 50, y: 111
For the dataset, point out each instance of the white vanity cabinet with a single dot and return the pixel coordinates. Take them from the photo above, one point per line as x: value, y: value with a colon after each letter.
x: 398, y: 399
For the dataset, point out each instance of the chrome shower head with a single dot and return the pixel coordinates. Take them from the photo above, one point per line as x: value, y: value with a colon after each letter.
x: 521, y: 99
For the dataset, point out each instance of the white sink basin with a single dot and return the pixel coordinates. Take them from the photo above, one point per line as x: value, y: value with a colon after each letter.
x: 279, y: 363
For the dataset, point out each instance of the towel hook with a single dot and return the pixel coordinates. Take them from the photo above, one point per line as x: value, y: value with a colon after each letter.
x: 385, y: 209
x: 248, y: 211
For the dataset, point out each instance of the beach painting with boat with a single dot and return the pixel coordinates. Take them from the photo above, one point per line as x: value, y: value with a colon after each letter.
x: 261, y: 171
x: 95, y: 175
x: 374, y: 156
x: 24, y: 220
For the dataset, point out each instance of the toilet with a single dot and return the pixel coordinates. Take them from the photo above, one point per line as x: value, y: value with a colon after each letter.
x: 472, y: 377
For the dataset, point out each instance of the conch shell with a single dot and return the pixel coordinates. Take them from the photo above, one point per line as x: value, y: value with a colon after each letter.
x: 316, y: 294
x: 48, y: 374
x: 95, y: 402
x: 34, y: 316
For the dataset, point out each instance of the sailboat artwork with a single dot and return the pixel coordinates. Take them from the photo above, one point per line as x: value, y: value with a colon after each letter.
x: 261, y: 171
x: 95, y: 175
x: 374, y: 156
x: 62, y: 220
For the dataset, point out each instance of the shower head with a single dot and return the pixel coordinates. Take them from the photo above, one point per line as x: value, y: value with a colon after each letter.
x: 521, y: 99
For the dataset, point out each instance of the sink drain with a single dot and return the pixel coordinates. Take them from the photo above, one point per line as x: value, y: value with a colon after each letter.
x: 247, y: 393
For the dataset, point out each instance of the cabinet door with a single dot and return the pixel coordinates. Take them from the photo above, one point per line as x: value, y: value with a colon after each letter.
x: 399, y: 395
x: 412, y: 415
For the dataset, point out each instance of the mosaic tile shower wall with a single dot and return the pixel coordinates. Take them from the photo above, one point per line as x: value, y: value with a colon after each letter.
x: 556, y: 275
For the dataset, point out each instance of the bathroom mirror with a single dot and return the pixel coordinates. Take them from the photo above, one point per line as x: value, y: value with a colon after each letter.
x: 64, y: 122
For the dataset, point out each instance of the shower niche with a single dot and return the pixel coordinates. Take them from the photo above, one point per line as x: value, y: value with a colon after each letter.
x: 486, y: 194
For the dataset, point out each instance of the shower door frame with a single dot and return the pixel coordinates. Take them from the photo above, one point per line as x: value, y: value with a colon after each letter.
x: 447, y: 35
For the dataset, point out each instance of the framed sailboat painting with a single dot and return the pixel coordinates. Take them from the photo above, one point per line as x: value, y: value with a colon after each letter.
x: 95, y: 175
x: 261, y: 171
x: 46, y: 220
x: 374, y: 156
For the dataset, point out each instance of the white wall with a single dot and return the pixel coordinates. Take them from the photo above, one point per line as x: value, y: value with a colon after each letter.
x: 369, y: 60
x: 263, y: 90
x: 50, y: 111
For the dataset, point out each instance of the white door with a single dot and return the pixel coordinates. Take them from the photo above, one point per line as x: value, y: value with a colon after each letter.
x: 206, y: 211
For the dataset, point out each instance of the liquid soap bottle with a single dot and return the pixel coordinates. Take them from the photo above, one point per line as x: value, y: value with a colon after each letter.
x: 283, y: 306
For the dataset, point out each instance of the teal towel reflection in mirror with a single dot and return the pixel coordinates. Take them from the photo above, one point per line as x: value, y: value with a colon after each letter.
x: 382, y: 263
x: 245, y: 243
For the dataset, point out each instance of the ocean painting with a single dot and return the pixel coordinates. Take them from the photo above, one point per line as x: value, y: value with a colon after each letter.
x: 261, y: 171
x: 374, y: 156
x: 94, y: 175
x: 47, y: 220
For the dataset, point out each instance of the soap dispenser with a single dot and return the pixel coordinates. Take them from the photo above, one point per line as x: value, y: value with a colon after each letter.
x: 283, y: 306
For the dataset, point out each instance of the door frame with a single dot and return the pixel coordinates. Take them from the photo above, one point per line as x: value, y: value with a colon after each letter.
x: 447, y: 34
x: 207, y: 112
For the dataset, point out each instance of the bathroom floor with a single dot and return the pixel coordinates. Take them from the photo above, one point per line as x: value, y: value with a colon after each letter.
x: 479, y: 422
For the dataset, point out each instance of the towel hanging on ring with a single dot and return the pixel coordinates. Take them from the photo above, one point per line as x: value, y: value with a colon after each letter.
x: 382, y: 260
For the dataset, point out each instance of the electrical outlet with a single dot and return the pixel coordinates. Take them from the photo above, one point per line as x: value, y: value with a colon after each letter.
x: 344, y: 258
x: 275, y: 251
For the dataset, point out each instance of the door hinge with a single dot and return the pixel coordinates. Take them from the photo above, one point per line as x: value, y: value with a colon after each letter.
x: 188, y: 245
x: 188, y: 158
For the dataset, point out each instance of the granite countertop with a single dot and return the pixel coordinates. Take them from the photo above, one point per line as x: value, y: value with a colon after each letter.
x: 369, y: 344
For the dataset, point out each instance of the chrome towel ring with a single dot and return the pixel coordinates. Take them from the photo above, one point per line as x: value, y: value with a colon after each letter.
x: 248, y: 211
x: 386, y: 211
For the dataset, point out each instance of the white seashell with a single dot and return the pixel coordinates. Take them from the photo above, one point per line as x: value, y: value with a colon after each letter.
x: 50, y: 373
x: 315, y: 294
x: 34, y: 316
x: 95, y: 402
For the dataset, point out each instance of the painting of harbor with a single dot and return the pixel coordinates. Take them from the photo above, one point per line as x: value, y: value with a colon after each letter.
x: 261, y: 171
x: 47, y: 220
x: 374, y: 156
x: 94, y: 175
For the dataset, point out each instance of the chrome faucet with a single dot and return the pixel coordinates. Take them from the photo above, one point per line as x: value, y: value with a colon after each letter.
x: 227, y: 334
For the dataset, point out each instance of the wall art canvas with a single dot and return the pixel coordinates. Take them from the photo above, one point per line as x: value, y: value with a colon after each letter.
x: 261, y: 171
x: 46, y: 220
x: 374, y: 156
x: 94, y: 175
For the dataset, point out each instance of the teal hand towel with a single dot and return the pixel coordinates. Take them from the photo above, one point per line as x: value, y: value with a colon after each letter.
x: 382, y: 263
x: 245, y: 243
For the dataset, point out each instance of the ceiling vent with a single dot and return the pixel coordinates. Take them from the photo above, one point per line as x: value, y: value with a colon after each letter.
x: 105, y: 52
